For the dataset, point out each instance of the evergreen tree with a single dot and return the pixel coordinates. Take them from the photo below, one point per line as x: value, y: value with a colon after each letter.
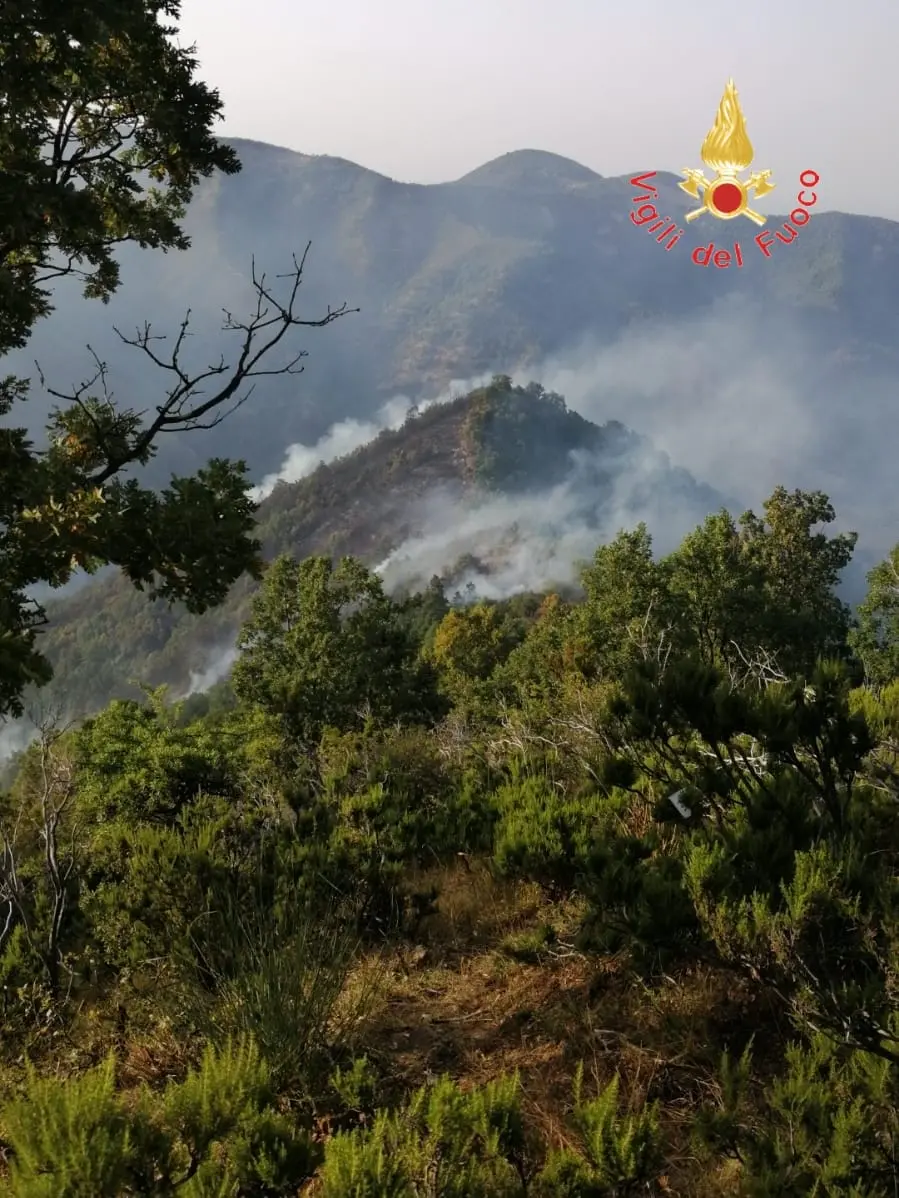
x: 324, y: 647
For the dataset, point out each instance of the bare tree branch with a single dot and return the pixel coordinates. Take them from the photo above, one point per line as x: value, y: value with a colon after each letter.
x: 651, y: 647
x: 187, y: 400
x: 760, y: 667
x: 57, y: 789
x: 44, y: 813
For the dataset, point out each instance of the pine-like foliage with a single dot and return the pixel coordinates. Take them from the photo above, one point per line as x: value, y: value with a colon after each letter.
x: 827, y: 1126
x: 621, y: 1153
x: 70, y: 1140
x: 210, y: 1134
x: 445, y: 1142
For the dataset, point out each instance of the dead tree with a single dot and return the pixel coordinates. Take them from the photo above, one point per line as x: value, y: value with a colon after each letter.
x: 39, y: 823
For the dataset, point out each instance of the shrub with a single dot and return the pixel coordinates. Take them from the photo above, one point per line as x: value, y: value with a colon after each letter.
x: 458, y: 1145
x: 546, y: 835
x: 620, y: 1153
x: 214, y: 1133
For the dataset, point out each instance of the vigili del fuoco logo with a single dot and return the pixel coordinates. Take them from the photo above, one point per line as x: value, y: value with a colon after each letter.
x: 727, y: 152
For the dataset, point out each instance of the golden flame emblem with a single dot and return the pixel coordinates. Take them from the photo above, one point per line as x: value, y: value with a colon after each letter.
x: 727, y: 150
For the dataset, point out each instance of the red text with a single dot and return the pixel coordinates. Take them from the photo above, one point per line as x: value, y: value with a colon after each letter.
x: 647, y: 214
x: 799, y: 216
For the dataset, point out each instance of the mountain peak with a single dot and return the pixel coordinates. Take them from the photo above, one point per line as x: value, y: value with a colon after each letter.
x: 533, y: 169
x: 504, y: 486
x: 260, y: 155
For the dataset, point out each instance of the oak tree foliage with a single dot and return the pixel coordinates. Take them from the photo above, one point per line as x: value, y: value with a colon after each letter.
x: 105, y: 131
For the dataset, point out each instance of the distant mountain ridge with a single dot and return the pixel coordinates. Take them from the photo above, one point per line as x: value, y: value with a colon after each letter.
x: 784, y: 371
x: 534, y: 169
x: 504, y: 269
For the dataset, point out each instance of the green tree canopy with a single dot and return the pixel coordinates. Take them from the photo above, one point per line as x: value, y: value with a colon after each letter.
x: 324, y: 646
x: 757, y: 593
x: 876, y: 639
x: 104, y: 133
x: 98, y: 102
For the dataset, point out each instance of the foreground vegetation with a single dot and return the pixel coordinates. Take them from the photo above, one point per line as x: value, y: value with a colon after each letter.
x: 533, y: 898
x: 539, y: 897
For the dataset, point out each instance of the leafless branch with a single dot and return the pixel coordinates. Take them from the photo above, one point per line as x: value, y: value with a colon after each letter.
x: 652, y: 644
x: 57, y: 787
x: 43, y: 809
x: 761, y: 667
x: 219, y: 389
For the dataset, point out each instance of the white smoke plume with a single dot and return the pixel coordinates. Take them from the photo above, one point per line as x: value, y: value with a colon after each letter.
x: 217, y: 669
x: 741, y: 402
x: 725, y: 398
x: 15, y: 735
x: 746, y: 404
x: 510, y: 544
x: 340, y: 439
x: 349, y: 435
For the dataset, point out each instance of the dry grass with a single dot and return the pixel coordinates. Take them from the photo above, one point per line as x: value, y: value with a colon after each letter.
x: 463, y: 1002
x: 460, y: 1004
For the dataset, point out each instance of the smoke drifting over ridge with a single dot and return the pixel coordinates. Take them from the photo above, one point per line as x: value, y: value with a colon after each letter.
x: 340, y: 439
x: 714, y: 393
x: 346, y: 436
x: 514, y: 543
x: 746, y: 403
x: 219, y: 665
x: 742, y: 401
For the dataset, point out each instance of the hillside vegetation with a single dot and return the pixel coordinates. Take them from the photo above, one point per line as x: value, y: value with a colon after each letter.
x: 586, y: 893
x: 501, y: 439
x: 532, y: 898
x: 513, y: 266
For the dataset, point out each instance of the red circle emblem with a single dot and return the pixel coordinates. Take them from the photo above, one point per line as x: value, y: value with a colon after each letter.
x: 727, y: 197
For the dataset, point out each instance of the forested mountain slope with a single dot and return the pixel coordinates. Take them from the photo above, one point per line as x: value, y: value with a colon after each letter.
x: 503, y: 486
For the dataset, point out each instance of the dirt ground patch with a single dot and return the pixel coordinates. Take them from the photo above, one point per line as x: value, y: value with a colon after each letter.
x: 461, y: 1003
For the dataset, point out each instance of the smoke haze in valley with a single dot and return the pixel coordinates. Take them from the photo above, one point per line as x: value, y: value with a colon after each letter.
x: 742, y: 403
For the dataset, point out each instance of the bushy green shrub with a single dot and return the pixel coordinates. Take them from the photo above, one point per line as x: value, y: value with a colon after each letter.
x: 547, y: 835
x: 136, y: 763
x: 446, y: 1142
x: 397, y: 794
x: 620, y: 1153
x: 473, y: 1144
x: 828, y: 1124
x: 214, y: 1133
x: 146, y: 887
x: 356, y: 1086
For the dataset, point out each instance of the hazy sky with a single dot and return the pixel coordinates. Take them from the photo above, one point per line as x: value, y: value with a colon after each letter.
x: 425, y: 90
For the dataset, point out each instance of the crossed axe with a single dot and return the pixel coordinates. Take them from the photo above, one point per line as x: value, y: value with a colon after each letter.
x: 696, y: 185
